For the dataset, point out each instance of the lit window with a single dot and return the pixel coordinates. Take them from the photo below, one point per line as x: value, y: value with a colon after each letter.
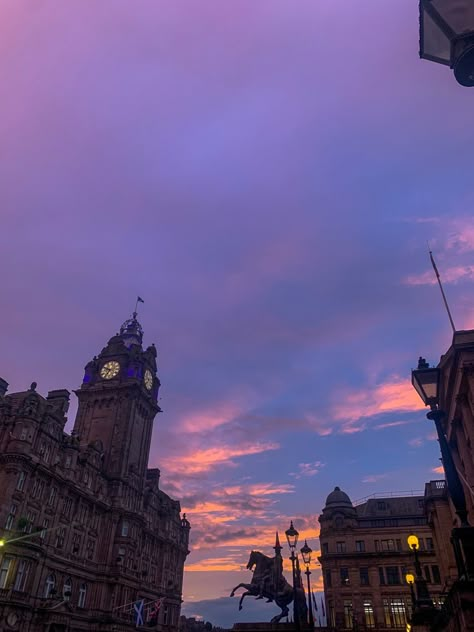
x: 369, y: 614
x: 398, y: 612
x: 348, y: 619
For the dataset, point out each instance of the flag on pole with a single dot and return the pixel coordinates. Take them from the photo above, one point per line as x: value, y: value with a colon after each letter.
x: 138, y: 607
x: 140, y: 300
x: 154, y: 609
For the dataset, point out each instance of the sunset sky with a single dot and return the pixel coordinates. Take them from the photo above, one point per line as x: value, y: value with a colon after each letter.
x: 266, y: 175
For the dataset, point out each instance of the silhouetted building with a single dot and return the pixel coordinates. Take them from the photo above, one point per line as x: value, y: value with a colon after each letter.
x: 90, y: 542
x: 365, y: 557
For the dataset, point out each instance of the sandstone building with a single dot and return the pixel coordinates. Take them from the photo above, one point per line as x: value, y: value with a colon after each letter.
x: 86, y: 531
x: 365, y: 556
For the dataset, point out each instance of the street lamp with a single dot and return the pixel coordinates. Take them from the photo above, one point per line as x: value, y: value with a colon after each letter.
x: 423, y: 599
x: 426, y: 381
x: 410, y: 580
x: 292, y: 539
x: 447, y: 36
x: 306, y: 555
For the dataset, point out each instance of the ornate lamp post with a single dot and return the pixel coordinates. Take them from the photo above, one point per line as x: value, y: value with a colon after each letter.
x: 423, y: 599
x: 447, y: 36
x: 306, y: 555
x: 426, y: 381
x: 292, y: 539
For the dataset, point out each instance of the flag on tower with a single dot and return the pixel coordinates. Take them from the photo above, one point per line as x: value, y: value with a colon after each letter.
x: 140, y: 300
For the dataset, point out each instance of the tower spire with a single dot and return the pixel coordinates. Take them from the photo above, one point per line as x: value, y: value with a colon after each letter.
x: 277, y: 548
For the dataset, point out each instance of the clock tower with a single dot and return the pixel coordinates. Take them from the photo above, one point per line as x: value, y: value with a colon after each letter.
x: 118, y: 402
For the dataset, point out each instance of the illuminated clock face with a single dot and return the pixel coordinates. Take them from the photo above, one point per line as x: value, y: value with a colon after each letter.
x: 110, y: 370
x: 148, y: 379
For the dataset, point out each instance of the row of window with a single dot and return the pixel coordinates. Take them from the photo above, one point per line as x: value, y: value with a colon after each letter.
x: 389, y: 544
x: 388, y: 575
x: 14, y: 573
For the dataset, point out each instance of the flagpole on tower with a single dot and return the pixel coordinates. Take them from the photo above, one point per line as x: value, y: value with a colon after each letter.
x: 442, y: 291
x: 139, y: 300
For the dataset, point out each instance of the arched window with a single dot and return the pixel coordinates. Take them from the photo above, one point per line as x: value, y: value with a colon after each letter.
x: 67, y: 588
x: 50, y: 585
x: 81, y: 602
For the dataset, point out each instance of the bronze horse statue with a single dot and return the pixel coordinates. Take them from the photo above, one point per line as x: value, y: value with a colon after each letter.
x: 268, y: 582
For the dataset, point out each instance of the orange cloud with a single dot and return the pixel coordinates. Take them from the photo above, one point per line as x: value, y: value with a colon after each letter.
x: 396, y: 395
x: 438, y: 470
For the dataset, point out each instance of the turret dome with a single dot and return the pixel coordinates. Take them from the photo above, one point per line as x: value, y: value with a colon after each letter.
x: 338, y: 498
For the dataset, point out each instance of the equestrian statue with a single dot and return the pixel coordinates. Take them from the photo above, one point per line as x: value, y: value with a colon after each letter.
x: 268, y: 582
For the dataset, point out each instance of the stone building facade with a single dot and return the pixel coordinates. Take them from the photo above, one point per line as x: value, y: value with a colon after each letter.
x: 86, y: 532
x: 365, y: 557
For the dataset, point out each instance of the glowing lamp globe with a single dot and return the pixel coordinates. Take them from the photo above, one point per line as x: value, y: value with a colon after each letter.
x: 447, y: 36
x: 413, y: 542
x: 410, y: 578
x: 2, y: 542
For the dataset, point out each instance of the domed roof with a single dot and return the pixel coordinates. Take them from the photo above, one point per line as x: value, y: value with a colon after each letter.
x: 338, y: 497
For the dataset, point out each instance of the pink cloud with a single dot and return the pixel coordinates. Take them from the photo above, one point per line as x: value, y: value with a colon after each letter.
x: 307, y: 469
x: 374, y: 478
x: 416, y: 442
x: 395, y: 395
x: 449, y: 275
x: 207, y: 459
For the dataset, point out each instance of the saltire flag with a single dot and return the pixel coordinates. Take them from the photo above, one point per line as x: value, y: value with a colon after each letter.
x: 140, y: 300
x: 154, y: 609
x: 315, y: 603
x: 322, y: 607
x: 138, y: 607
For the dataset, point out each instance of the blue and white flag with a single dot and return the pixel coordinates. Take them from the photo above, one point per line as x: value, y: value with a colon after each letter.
x: 138, y: 607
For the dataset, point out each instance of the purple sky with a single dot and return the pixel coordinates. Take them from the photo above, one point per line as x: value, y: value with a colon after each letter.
x: 265, y: 174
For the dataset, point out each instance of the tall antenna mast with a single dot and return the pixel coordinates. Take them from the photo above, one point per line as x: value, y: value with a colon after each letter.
x: 442, y: 291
